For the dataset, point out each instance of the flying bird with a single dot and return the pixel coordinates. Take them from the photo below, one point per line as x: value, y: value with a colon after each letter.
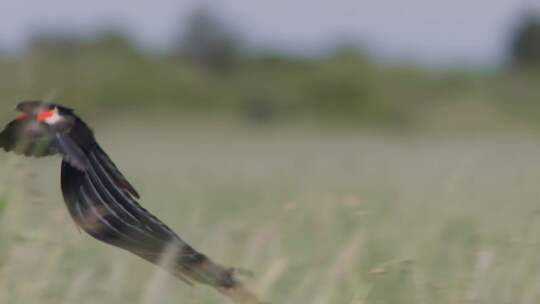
x: 103, y: 203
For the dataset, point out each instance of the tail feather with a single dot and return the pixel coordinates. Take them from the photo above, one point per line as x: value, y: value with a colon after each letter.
x: 102, y: 209
x: 207, y: 272
x: 221, y: 278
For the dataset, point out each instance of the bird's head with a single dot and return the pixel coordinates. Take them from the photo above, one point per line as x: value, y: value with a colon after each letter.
x: 43, y: 112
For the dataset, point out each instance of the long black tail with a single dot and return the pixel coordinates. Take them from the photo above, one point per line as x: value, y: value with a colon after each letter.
x: 102, y: 204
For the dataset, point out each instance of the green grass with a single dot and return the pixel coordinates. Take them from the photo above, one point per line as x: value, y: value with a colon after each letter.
x: 345, y: 88
x: 320, y: 216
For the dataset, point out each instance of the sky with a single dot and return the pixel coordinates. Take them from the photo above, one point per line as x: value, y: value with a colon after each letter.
x: 423, y: 31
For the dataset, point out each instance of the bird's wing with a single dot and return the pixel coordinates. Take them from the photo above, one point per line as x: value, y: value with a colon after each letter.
x: 22, y: 137
x: 31, y: 138
x: 7, y: 136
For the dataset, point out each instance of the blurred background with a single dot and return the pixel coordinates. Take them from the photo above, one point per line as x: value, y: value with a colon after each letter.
x: 345, y: 151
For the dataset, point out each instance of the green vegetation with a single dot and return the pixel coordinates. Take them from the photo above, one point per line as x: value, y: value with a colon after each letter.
x: 320, y: 216
x: 353, y: 182
x: 526, y: 42
x: 108, y: 75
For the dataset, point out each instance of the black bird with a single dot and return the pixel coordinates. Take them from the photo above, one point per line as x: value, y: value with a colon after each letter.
x: 102, y: 202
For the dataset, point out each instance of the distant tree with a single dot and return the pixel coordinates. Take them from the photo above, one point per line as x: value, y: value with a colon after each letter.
x: 525, y: 44
x: 209, y: 40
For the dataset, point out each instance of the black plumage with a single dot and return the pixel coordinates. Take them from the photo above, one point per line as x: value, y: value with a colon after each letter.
x: 102, y: 202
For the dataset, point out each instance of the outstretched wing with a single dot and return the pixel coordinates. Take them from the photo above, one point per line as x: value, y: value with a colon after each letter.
x: 27, y: 138
x: 31, y: 138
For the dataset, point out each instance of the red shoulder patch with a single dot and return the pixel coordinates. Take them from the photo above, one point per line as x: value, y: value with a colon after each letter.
x: 21, y: 116
x: 42, y: 116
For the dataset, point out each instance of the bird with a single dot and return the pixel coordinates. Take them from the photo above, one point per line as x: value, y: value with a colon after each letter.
x: 101, y: 200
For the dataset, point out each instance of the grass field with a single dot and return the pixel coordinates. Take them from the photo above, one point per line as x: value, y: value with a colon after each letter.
x: 319, y: 216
